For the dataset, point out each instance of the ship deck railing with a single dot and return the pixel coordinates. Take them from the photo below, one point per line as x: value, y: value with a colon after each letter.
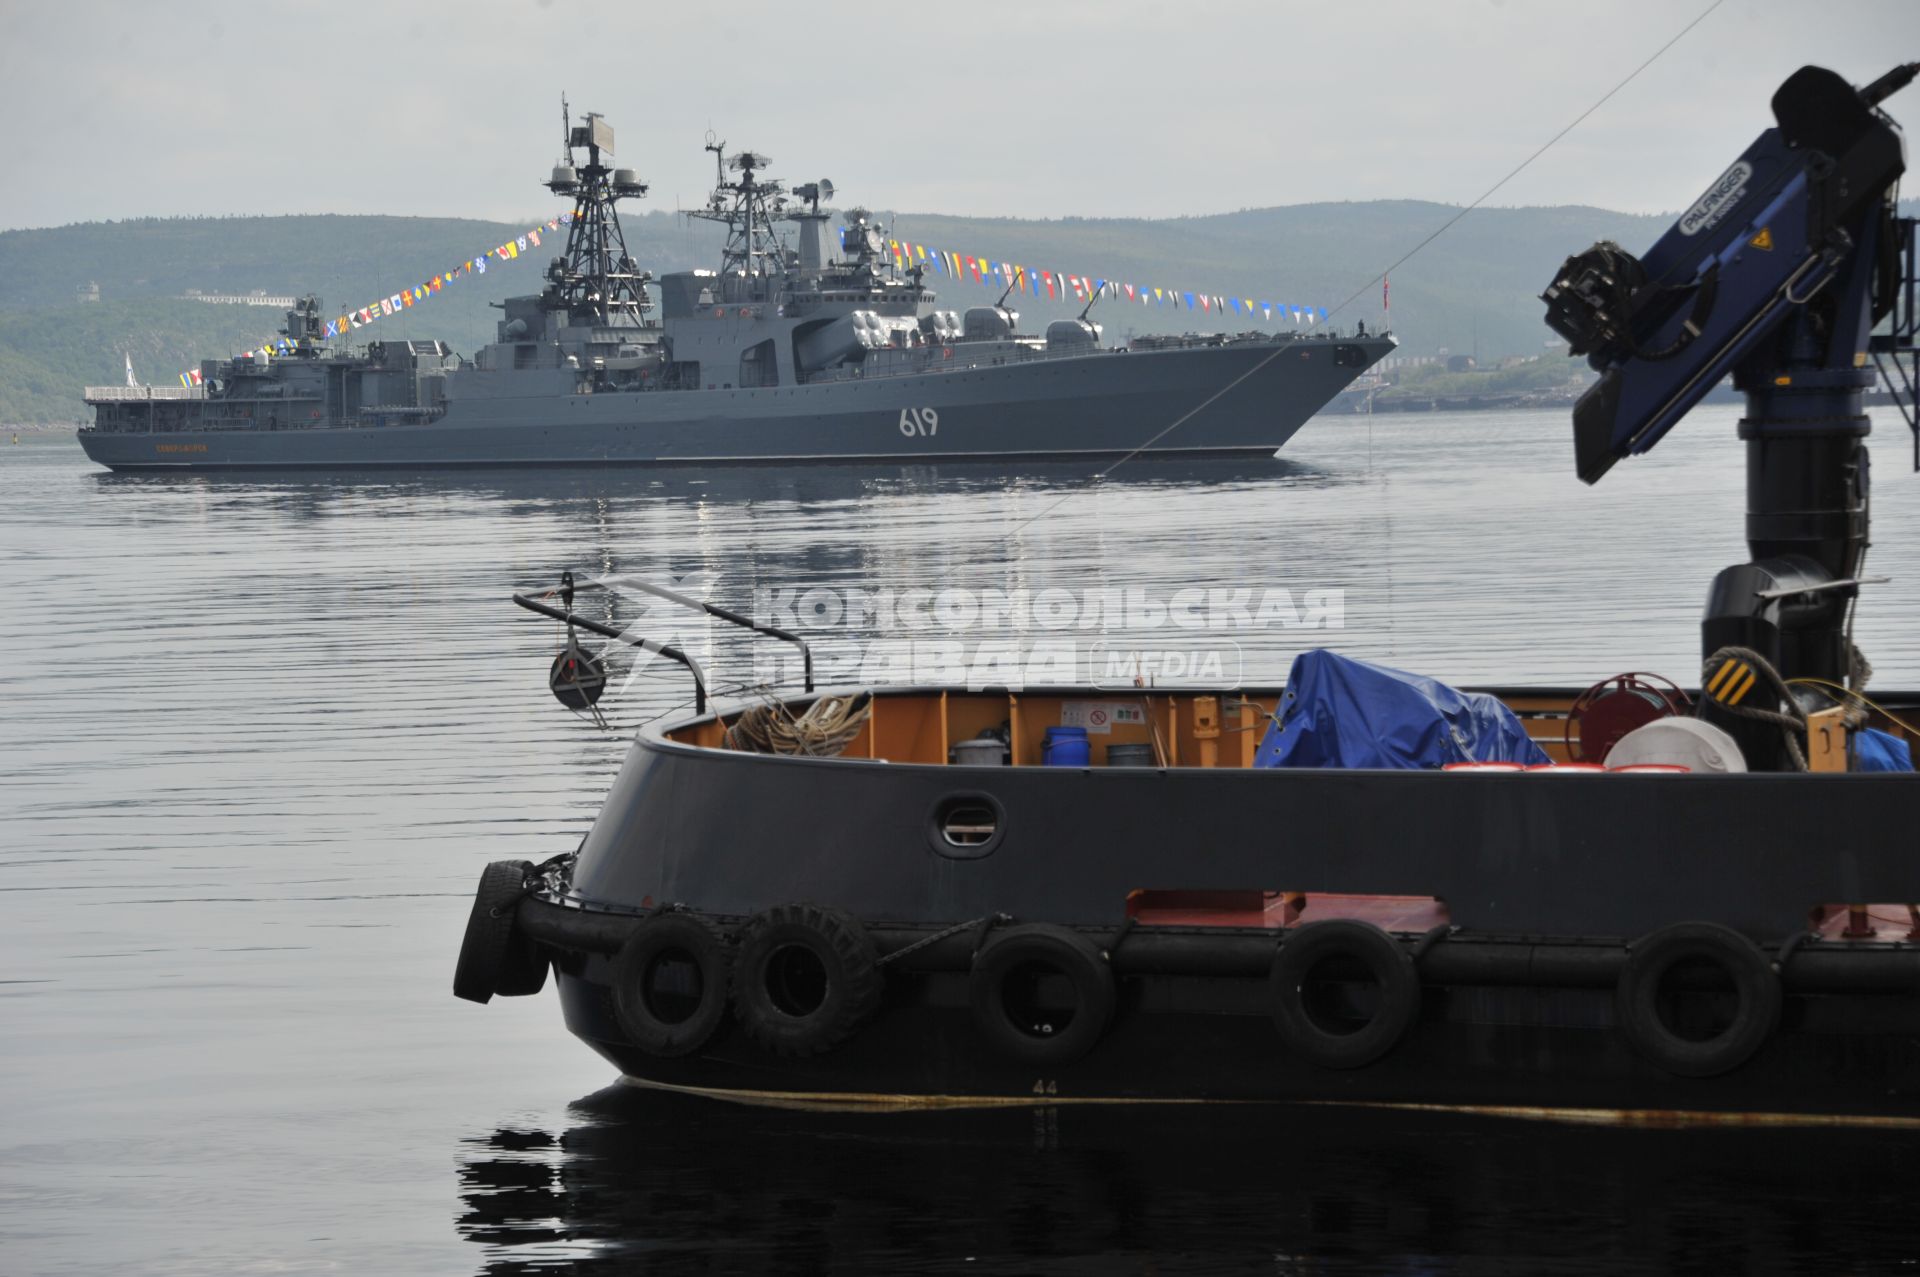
x: 141, y: 394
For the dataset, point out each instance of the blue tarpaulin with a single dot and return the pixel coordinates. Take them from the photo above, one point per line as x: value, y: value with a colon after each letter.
x: 1339, y: 712
x: 1878, y: 751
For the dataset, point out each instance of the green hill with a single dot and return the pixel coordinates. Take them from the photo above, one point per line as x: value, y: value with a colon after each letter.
x: 1472, y: 290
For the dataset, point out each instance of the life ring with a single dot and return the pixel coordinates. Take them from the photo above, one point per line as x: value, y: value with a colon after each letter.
x: 1041, y: 994
x: 670, y: 984
x: 1722, y: 956
x: 1311, y: 981
x: 804, y: 978
x: 495, y: 955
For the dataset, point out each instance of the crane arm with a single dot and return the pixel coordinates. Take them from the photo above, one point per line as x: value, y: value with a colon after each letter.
x: 1794, y: 221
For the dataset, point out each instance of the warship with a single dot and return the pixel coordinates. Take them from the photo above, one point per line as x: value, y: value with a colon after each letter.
x: 805, y: 345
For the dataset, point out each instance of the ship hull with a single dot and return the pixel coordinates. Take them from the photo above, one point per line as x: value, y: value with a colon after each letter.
x: 1538, y: 1051
x: 1216, y: 401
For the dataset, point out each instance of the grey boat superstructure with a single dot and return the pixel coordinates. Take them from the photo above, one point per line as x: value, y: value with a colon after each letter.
x: 805, y: 345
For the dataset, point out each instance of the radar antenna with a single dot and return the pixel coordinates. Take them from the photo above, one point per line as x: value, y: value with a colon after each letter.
x: 747, y: 206
x: 595, y: 278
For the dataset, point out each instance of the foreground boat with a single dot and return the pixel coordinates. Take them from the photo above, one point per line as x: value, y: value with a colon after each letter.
x: 822, y: 349
x: 789, y: 927
x: 941, y: 895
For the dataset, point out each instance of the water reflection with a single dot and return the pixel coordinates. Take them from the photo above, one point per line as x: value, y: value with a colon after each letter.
x: 1462, y: 545
x: 548, y: 488
x: 672, y: 1184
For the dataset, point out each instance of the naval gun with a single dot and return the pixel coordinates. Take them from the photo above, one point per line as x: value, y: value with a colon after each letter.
x: 1778, y: 275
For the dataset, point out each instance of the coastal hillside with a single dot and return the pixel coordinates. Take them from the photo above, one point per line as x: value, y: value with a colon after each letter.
x: 1472, y: 291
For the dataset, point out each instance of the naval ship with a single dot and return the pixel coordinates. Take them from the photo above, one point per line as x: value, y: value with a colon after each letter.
x: 807, y: 344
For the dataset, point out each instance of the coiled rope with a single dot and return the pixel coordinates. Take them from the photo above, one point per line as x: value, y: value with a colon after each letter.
x: 826, y: 728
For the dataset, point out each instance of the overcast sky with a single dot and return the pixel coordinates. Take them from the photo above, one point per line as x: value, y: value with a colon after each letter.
x: 1035, y: 109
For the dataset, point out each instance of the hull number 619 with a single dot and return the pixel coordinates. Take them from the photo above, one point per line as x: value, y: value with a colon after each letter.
x: 919, y: 422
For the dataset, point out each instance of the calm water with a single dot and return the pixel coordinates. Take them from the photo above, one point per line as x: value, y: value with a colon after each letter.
x: 261, y: 734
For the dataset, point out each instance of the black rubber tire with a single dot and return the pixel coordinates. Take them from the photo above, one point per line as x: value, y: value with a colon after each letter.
x: 1383, y: 957
x: 1637, y: 999
x: 775, y: 1013
x: 646, y: 1026
x: 1071, y: 955
x: 496, y: 956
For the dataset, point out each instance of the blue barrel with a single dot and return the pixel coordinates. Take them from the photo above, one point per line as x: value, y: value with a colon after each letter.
x: 1065, y: 747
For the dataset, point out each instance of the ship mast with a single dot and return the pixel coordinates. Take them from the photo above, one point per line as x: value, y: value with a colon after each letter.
x: 747, y: 207
x: 595, y: 278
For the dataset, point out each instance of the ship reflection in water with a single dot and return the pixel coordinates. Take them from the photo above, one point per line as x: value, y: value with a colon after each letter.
x: 658, y: 1182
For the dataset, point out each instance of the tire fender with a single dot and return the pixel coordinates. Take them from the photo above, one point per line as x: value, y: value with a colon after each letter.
x: 496, y: 956
x: 805, y: 978
x: 652, y: 1022
x: 1756, y: 988
x: 1362, y: 946
x: 1012, y: 959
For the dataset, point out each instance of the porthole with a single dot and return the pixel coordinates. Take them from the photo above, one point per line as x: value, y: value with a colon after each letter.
x: 967, y: 826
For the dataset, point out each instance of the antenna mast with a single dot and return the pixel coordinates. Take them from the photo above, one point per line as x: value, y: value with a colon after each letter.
x: 747, y: 207
x: 595, y: 278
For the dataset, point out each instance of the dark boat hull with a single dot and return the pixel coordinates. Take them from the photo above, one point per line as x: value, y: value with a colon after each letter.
x: 1525, y: 1052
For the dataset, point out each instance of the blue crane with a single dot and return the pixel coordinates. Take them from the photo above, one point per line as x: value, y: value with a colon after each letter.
x: 1779, y: 275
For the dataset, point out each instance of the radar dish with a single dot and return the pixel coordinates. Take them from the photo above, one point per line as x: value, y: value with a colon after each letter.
x: 826, y: 188
x: 748, y: 159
